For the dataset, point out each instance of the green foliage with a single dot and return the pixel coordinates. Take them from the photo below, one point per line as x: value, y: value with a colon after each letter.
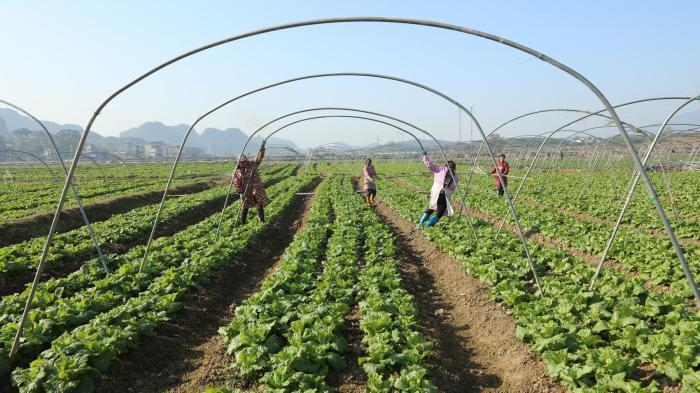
x: 98, y: 327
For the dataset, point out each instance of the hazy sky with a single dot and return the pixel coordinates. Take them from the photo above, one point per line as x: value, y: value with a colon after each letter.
x: 60, y: 59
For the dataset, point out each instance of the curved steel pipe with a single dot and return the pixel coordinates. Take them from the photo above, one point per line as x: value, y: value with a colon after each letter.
x: 405, y: 21
x: 51, y: 172
x: 128, y: 170
x: 14, y: 157
x: 92, y: 159
x: 88, y: 225
x: 537, y: 155
x: 476, y: 157
x: 684, y: 265
x: 351, y: 110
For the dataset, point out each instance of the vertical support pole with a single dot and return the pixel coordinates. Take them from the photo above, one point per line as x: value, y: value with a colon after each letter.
x: 88, y: 225
x: 640, y: 164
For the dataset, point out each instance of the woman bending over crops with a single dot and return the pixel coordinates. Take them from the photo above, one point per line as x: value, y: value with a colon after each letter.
x: 444, y: 183
x: 503, y: 168
x: 370, y: 178
x: 249, y: 185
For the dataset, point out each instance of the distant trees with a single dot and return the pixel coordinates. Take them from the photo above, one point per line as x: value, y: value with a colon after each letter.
x: 36, y: 142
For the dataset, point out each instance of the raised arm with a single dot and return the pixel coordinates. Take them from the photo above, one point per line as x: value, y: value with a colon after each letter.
x: 426, y: 161
x: 261, y: 155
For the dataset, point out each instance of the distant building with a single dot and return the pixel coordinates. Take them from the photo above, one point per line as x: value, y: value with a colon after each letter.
x: 165, y: 151
x: 155, y: 150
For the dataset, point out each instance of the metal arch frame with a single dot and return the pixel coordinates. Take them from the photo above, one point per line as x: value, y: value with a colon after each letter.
x: 88, y: 225
x: 544, y: 142
x: 13, y: 160
x: 574, y: 110
x: 245, y: 145
x: 686, y: 270
x: 402, y: 21
x: 23, y: 161
x: 324, y: 75
x: 338, y: 147
x: 640, y: 172
x: 331, y: 147
x: 379, y: 150
x: 138, y: 159
x: 620, y: 128
x: 51, y: 172
x: 532, y: 164
x: 684, y: 266
x: 88, y: 156
x: 359, y: 117
x: 287, y: 148
x: 588, y: 114
x: 104, y: 153
x: 373, y: 120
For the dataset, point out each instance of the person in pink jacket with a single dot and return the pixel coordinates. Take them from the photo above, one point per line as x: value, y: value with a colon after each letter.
x: 444, y: 184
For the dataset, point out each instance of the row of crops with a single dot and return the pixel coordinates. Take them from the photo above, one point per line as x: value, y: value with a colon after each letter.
x: 600, y: 339
x: 82, y: 321
x: 620, y: 337
x: 30, y: 194
x: 636, y: 332
x: 651, y: 258
x: 288, y: 336
x: 122, y: 228
x: 292, y: 333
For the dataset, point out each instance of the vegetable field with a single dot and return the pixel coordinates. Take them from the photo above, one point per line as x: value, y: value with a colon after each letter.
x: 554, y: 251
x: 331, y: 294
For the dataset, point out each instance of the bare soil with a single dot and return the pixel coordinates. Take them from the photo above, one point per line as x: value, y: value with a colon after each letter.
x: 187, y: 354
x: 476, y: 349
x: 353, y: 378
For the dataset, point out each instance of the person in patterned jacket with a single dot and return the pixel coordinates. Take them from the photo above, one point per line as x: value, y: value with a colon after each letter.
x: 250, y: 187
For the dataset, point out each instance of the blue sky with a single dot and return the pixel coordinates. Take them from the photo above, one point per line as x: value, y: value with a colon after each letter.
x: 62, y: 58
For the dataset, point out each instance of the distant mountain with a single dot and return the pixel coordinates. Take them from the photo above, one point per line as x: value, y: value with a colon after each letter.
x: 155, y: 131
x: 14, y: 120
x: 213, y: 140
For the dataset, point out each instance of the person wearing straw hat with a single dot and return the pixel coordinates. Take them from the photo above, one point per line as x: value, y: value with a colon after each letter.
x: 503, y: 168
x: 250, y: 187
x: 444, y: 184
x: 370, y: 175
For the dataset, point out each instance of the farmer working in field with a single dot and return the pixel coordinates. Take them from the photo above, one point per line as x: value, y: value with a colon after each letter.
x: 503, y: 168
x: 249, y: 185
x: 370, y: 175
x: 444, y: 183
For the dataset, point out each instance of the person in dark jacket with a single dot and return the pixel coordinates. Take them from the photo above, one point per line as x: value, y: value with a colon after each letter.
x: 370, y: 175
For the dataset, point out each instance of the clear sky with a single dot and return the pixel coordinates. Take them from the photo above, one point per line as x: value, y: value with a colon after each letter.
x: 60, y: 59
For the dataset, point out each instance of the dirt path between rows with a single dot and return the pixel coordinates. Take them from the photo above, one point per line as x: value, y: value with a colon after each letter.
x: 549, y: 242
x: 476, y: 349
x: 188, y: 354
